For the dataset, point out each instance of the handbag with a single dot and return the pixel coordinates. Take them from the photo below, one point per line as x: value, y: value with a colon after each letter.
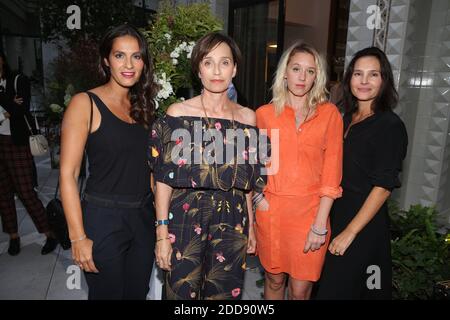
x: 55, y: 211
x: 38, y: 143
x: 57, y: 221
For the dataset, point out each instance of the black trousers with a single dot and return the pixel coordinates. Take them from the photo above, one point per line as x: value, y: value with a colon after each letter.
x: 123, y: 249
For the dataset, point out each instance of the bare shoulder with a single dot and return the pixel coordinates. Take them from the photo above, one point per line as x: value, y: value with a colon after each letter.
x: 246, y: 115
x: 174, y: 109
x: 79, y: 106
x: 184, y: 108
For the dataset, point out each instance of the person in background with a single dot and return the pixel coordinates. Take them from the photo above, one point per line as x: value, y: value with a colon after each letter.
x: 16, y: 160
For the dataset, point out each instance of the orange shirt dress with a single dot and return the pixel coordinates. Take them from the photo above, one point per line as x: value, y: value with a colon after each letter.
x: 309, y: 162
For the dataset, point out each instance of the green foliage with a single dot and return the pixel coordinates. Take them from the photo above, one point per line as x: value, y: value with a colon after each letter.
x: 73, y: 71
x: 171, y: 37
x: 420, y: 256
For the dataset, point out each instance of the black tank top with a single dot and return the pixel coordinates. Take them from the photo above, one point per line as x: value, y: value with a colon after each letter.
x: 117, y: 155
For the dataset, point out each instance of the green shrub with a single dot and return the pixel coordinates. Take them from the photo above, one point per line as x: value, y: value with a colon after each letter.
x: 420, y: 255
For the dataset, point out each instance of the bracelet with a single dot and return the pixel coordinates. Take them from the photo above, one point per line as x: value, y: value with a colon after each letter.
x: 161, y: 222
x: 168, y: 238
x: 76, y: 240
x: 318, y: 232
x: 257, y: 199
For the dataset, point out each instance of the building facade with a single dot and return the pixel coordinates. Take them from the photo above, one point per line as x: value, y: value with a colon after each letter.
x: 415, y: 34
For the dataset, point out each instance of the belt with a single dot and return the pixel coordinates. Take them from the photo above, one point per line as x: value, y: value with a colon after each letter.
x: 111, y: 203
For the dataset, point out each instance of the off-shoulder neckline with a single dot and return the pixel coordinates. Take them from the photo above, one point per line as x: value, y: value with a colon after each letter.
x: 213, y: 118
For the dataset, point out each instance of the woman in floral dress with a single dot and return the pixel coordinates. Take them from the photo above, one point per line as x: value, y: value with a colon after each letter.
x: 204, y: 181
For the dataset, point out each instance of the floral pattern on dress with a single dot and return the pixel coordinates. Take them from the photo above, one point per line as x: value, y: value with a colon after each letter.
x: 208, y: 228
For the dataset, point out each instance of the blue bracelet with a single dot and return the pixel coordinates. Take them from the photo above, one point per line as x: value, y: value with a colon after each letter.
x: 161, y: 222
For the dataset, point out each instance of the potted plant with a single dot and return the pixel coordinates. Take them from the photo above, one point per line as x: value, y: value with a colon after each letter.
x: 171, y: 37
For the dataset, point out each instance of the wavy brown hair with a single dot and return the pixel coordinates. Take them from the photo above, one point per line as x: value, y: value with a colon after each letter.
x: 143, y: 92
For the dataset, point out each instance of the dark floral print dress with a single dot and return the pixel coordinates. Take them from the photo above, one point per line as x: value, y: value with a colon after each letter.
x: 207, y: 219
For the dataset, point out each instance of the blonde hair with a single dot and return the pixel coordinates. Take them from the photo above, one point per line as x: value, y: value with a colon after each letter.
x: 318, y: 93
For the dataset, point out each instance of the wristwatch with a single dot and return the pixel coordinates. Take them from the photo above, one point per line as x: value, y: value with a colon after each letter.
x: 161, y: 222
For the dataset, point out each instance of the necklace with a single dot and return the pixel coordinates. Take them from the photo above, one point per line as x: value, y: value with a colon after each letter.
x: 357, y: 121
x: 217, y: 180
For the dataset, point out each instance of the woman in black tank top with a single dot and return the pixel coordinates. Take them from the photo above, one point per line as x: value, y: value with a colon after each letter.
x: 112, y: 227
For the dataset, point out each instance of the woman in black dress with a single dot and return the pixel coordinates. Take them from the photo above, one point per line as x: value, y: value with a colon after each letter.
x: 358, y: 264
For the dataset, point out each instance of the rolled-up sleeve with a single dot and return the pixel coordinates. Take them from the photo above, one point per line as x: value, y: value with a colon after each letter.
x: 390, y: 149
x: 332, y: 163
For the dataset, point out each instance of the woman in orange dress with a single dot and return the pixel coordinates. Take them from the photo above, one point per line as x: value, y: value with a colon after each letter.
x: 292, y: 225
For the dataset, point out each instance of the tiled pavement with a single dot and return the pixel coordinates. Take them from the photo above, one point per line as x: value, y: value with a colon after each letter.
x: 33, y: 276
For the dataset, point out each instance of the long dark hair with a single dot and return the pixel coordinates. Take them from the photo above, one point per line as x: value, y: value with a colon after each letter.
x: 144, y: 91
x: 6, y: 70
x: 387, y: 97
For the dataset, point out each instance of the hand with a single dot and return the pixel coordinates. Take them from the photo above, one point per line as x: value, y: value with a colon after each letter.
x: 82, y: 255
x: 340, y: 244
x: 163, y: 254
x: 263, y: 205
x: 313, y: 242
x: 18, y: 100
x: 251, y: 242
x: 7, y: 115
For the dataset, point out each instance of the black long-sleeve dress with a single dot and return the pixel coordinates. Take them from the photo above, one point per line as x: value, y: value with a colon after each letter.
x: 373, y: 153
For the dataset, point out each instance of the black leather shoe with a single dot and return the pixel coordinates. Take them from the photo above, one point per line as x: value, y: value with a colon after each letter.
x: 14, y: 247
x: 49, y: 246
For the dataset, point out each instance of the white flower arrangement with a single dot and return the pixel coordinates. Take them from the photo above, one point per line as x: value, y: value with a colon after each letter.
x: 166, y: 87
x: 171, y: 38
x: 181, y: 49
x: 56, y: 108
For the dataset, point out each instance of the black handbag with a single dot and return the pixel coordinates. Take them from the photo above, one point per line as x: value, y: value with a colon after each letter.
x: 57, y: 219
x: 57, y: 222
